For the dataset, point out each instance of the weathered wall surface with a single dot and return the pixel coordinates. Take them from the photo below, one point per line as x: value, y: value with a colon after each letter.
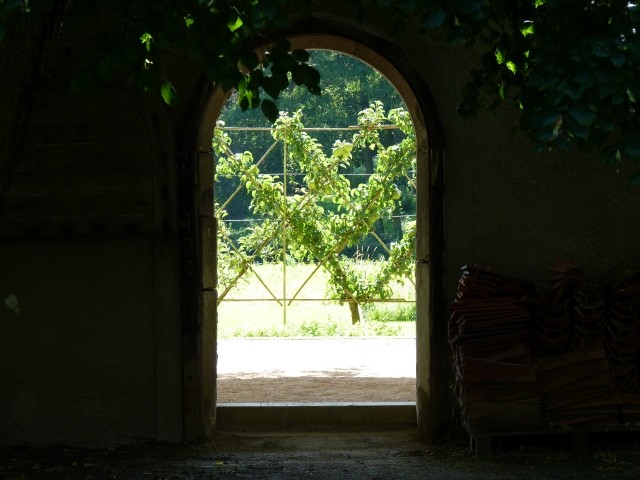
x: 89, y: 243
x: 78, y: 358
x: 22, y: 50
x: 532, y: 209
x: 89, y: 248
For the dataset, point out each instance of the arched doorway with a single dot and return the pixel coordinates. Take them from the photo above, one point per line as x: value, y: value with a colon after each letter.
x: 431, y: 349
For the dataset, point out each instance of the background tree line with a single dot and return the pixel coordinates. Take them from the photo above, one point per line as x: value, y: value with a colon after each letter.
x: 349, y: 87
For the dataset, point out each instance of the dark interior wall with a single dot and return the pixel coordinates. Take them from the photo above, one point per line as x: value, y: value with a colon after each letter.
x: 23, y: 48
x: 89, y: 241
x: 89, y: 248
x: 532, y: 209
x: 78, y: 358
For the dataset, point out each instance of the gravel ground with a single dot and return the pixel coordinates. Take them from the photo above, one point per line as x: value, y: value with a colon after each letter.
x: 326, y: 456
x: 345, y: 456
x: 317, y: 370
x: 390, y: 357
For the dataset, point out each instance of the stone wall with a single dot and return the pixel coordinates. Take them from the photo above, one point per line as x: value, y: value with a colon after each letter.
x: 111, y: 297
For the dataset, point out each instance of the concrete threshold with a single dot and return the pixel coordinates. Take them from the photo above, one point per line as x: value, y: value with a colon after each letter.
x: 309, y: 417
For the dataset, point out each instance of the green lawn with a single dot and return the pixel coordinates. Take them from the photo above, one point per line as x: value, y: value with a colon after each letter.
x: 245, y: 313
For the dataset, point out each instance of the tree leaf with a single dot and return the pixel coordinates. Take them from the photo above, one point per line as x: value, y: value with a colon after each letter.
x: 610, y: 155
x: 543, y: 120
x: 528, y: 29
x: 582, y: 115
x: 280, y: 77
x: 584, y: 79
x: 168, y: 92
x: 300, y: 55
x: 234, y: 25
x: 632, y: 149
x: 543, y: 135
x: 244, y: 103
x: 577, y: 130
x: 269, y: 109
x: 146, y: 38
x: 605, y: 125
x: 618, y: 59
x: 405, y: 6
x: 255, y: 80
x: 434, y: 20
x: 606, y: 90
x: 297, y: 75
x: 270, y: 86
x: 634, y: 179
x: 249, y: 59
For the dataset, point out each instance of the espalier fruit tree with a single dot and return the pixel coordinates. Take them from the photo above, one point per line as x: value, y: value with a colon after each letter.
x: 322, y: 216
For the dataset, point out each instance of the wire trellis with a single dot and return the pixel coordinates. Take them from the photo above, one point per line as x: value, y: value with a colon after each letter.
x: 247, y: 261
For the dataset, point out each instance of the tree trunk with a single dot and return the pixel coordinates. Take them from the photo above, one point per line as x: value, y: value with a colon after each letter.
x: 354, y: 307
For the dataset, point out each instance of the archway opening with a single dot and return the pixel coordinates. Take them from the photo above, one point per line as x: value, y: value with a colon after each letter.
x: 430, y: 405
x: 316, y: 224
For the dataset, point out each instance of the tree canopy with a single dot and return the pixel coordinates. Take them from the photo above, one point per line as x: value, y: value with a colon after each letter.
x: 348, y: 87
x: 570, y: 67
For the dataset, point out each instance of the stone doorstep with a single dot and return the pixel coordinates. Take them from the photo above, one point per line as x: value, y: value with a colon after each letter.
x: 311, y: 417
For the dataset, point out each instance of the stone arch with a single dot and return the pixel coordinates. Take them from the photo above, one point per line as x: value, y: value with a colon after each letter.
x: 432, y: 354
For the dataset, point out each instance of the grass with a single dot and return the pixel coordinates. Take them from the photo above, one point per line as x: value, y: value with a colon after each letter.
x: 246, y: 312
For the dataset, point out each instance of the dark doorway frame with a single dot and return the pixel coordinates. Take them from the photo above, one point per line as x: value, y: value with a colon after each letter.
x: 199, y: 237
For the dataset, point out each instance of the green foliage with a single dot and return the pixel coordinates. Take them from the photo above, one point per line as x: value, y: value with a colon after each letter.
x: 385, y: 313
x: 570, y: 67
x: 318, y: 329
x: 349, y: 86
x: 237, y: 313
x: 217, y: 34
x: 326, y: 328
x: 168, y: 92
x: 326, y: 214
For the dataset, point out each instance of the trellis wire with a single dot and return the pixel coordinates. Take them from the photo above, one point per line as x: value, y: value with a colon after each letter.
x: 285, y: 174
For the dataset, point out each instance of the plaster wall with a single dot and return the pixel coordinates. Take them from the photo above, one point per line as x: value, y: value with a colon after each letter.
x: 89, y: 248
x: 94, y: 356
x: 532, y: 209
x: 79, y: 356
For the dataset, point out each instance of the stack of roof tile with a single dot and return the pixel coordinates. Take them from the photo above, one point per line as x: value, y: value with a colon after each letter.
x: 623, y: 342
x: 565, y: 357
x: 490, y: 333
x: 570, y: 315
x: 577, y: 389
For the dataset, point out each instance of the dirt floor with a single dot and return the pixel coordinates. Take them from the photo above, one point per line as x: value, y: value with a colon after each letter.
x: 316, y: 370
x: 345, y: 456
x: 344, y: 370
